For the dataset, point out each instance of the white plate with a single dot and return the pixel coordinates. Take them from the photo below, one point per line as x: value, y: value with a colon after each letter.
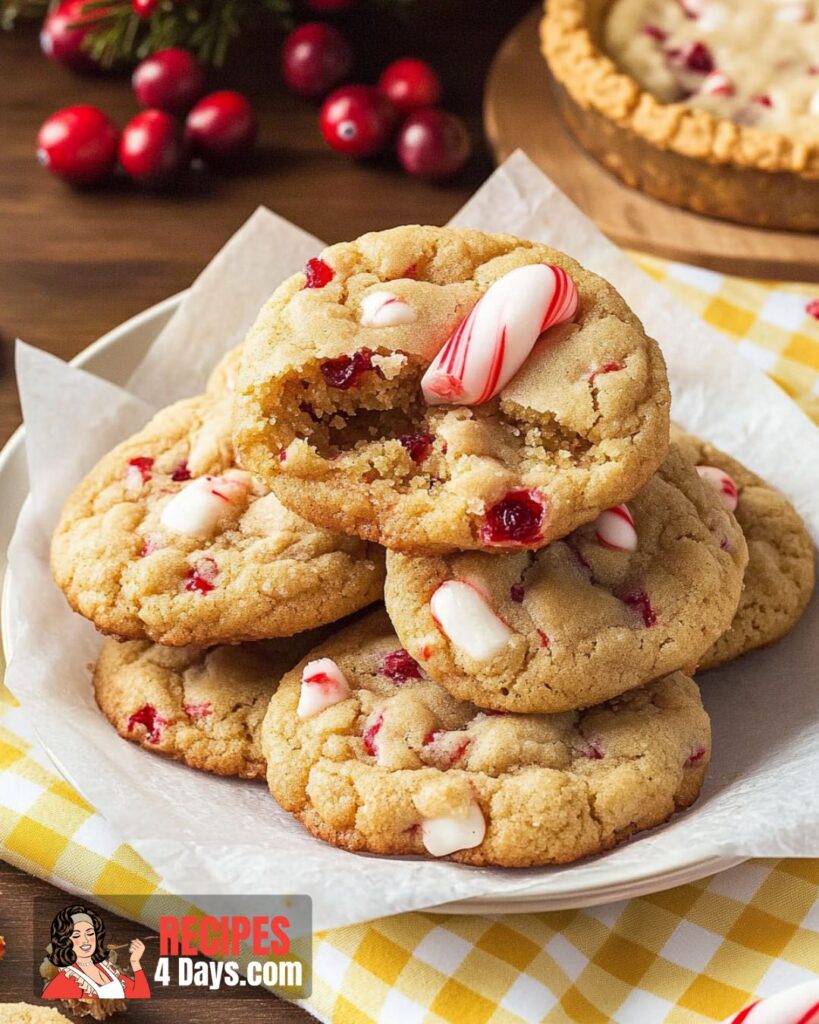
x: 114, y: 357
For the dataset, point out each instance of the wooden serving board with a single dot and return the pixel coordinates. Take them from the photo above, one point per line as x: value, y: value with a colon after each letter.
x: 520, y: 111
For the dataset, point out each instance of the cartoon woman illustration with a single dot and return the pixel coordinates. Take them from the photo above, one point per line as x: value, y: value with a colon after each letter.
x: 78, y: 950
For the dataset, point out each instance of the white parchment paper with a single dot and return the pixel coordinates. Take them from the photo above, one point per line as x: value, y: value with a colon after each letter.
x: 204, y: 834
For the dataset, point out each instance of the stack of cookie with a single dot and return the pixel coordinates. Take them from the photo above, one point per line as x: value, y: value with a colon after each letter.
x: 475, y: 429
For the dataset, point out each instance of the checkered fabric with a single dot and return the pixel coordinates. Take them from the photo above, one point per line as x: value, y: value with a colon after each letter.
x: 694, y: 954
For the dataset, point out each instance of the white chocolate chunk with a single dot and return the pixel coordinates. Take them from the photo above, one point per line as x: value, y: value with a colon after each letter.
x: 385, y: 309
x: 442, y: 836
x: 199, y: 508
x: 467, y: 620
x: 322, y: 685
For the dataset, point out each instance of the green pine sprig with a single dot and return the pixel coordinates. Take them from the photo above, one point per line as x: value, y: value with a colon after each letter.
x: 205, y: 27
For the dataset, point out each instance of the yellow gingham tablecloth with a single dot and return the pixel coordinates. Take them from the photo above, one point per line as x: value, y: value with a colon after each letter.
x: 693, y: 954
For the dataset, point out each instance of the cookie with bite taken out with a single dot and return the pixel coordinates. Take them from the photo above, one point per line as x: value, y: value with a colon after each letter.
x: 441, y: 389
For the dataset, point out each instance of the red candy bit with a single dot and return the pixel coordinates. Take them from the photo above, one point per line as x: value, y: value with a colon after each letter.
x: 654, y: 32
x: 197, y: 711
x: 142, y: 464
x: 400, y: 666
x: 516, y: 592
x: 202, y: 578
x: 812, y: 308
x: 151, y: 720
x: 544, y: 640
x: 694, y: 57
x: 283, y: 455
x: 441, y: 749
x: 696, y: 757
x: 591, y: 747
x: 516, y: 519
x: 605, y: 368
x: 181, y: 473
x: 763, y: 101
x: 418, y: 445
x: 639, y: 602
x: 149, y: 546
x: 318, y: 274
x: 346, y: 371
x: 370, y: 734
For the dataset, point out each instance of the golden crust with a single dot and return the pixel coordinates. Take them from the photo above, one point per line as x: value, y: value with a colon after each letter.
x: 593, y: 81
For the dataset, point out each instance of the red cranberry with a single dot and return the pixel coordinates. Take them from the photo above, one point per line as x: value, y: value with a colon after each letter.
x: 410, y: 84
x: 654, y: 32
x: 345, y: 372
x: 418, y: 445
x: 181, y: 473
x: 356, y: 120
x: 144, y: 464
x: 638, y: 600
x: 148, y: 717
x: 400, y: 666
x: 370, y: 733
x: 315, y: 59
x: 696, y: 757
x: 144, y: 8
x: 63, y: 32
x: 78, y: 144
x: 221, y: 128
x: 318, y: 274
x: 695, y: 57
x: 763, y: 101
x: 433, y: 144
x: 202, y: 578
x: 812, y: 309
x: 544, y: 640
x: 516, y: 519
x: 151, y: 149
x: 169, y: 80
x: 516, y: 592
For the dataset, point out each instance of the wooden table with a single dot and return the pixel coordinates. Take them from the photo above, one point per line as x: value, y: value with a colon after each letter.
x: 73, y: 264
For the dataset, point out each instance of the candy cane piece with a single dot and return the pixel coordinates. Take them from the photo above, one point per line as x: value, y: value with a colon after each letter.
x: 796, y: 1005
x: 615, y: 529
x: 723, y: 484
x: 445, y: 835
x: 322, y: 685
x: 385, y: 309
x: 200, y: 506
x: 487, y: 349
x: 465, y: 617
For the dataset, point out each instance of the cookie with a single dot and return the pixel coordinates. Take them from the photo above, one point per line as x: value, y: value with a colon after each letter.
x: 28, y: 1013
x: 374, y: 756
x: 780, y: 574
x: 167, y: 540
x: 347, y: 400
x: 642, y: 591
x: 201, y: 707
